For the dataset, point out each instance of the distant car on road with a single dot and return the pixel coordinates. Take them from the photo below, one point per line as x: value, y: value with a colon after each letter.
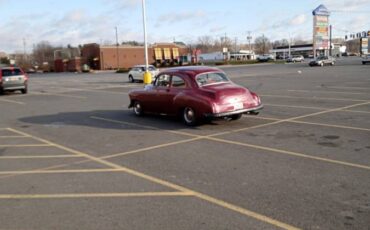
x: 322, y: 60
x: 265, y: 58
x: 12, y: 79
x: 137, y: 72
x: 296, y: 58
x: 366, y: 59
x: 195, y: 93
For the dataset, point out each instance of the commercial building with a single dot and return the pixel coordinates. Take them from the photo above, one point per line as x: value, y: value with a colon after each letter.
x: 305, y: 50
x: 100, y: 57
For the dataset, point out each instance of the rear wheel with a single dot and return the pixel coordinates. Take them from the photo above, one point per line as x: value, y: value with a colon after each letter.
x: 131, y: 79
x: 332, y: 63
x: 236, y: 116
x: 25, y: 90
x: 189, y: 116
x: 138, y: 109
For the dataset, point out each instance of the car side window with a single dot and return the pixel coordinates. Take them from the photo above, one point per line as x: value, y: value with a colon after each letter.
x: 163, y: 80
x: 178, y: 82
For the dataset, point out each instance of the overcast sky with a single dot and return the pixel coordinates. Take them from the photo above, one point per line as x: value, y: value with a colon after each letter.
x: 85, y: 21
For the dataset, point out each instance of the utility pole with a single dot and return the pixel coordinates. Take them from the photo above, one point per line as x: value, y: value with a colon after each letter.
x: 249, y: 38
x: 117, y: 49
x: 235, y: 41
x: 24, y: 49
x: 330, y: 39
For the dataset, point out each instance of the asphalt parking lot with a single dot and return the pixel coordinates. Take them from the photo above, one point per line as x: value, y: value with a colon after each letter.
x: 73, y: 156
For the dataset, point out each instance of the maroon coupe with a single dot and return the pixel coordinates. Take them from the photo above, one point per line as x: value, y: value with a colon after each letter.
x: 195, y: 93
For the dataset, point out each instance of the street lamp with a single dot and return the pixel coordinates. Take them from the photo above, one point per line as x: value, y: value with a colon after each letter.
x: 147, y: 75
x: 117, y: 49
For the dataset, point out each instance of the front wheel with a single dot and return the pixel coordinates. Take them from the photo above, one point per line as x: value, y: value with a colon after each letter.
x: 189, y: 116
x: 332, y: 63
x: 138, y: 109
x: 322, y: 64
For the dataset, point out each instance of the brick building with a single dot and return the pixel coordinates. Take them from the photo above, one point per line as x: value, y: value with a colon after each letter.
x: 112, y: 57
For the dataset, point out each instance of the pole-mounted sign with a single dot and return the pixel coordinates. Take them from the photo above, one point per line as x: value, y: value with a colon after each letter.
x: 320, y: 29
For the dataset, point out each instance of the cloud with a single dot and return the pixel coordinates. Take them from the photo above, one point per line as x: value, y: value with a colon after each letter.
x: 345, y: 5
x: 173, y: 18
x: 298, y: 20
x: 122, y: 5
x: 218, y: 29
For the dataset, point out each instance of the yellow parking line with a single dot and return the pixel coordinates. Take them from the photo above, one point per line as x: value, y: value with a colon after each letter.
x: 356, y: 111
x: 201, y: 196
x: 312, y: 107
x: 151, y: 148
x: 22, y: 146
x: 93, y: 195
x: 329, y: 111
x: 39, y: 157
x: 314, y: 98
x: 291, y: 153
x: 318, y: 91
x: 314, y: 123
x: 296, y: 106
x: 143, y: 126
x: 343, y: 87
x: 12, y: 101
x: 62, y: 171
x: 104, y: 91
x: 12, y: 137
x: 59, y: 95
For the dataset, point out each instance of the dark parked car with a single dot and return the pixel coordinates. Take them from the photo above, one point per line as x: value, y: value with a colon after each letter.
x: 323, y: 60
x: 12, y: 79
x: 195, y: 93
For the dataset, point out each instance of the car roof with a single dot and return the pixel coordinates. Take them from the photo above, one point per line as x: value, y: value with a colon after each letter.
x: 192, y: 70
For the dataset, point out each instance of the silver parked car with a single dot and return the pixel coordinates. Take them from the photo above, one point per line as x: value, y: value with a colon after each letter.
x: 296, y: 58
x: 12, y: 79
x: 322, y: 60
x: 137, y: 72
x: 366, y: 59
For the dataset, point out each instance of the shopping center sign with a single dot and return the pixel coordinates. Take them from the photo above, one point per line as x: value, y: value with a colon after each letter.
x: 320, y: 28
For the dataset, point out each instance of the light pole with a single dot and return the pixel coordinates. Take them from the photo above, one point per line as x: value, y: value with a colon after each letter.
x: 117, y: 49
x: 147, y: 75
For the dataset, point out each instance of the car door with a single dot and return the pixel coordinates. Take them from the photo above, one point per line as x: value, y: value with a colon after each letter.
x: 177, y: 86
x: 139, y: 73
x: 157, y: 99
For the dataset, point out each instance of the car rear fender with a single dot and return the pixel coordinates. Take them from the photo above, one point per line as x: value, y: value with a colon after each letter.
x: 201, y: 104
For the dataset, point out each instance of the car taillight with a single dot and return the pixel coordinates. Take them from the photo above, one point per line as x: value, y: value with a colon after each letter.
x: 256, y: 98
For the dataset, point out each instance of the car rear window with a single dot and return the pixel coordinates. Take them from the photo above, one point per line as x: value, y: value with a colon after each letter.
x: 211, y: 78
x: 11, y: 72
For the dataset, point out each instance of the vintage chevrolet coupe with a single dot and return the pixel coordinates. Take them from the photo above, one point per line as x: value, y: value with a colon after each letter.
x: 195, y: 94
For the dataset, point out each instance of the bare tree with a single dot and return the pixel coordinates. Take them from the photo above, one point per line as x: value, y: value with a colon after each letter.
x: 205, y: 43
x: 43, y: 52
x: 262, y: 45
x: 282, y: 42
